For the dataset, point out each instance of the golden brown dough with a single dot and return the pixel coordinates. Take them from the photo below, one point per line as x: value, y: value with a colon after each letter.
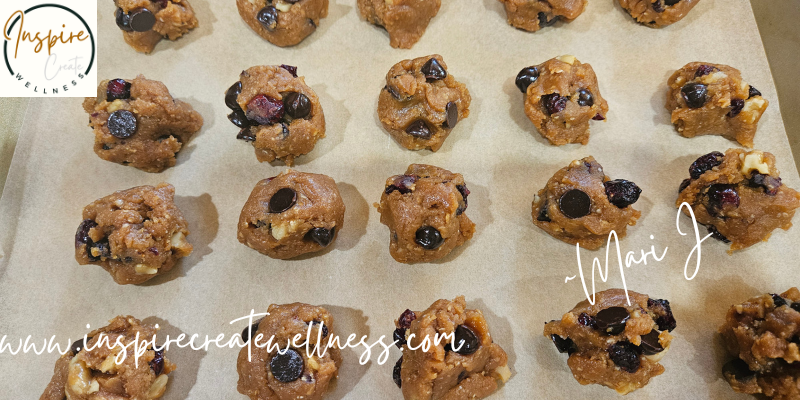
x: 658, y: 13
x: 532, y: 15
x: 405, y: 20
x: 283, y: 22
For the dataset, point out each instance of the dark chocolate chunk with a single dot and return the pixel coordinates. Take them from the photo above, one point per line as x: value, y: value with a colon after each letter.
x: 575, y: 204
x: 612, y: 320
x: 526, y: 77
x: 122, y: 124
x: 428, y: 237
x: 282, y: 200
x: 433, y: 70
x: 287, y: 367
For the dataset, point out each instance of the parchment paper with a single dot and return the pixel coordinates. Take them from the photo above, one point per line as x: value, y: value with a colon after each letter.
x: 511, y: 270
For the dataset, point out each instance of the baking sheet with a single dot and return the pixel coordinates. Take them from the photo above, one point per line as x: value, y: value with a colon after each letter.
x: 511, y: 270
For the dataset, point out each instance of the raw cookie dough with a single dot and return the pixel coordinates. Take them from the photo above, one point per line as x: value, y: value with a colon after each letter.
x: 471, y: 372
x: 134, y: 234
x: 712, y: 99
x: 277, y: 112
x: 283, y: 22
x: 424, y: 210
x: 763, y: 334
x: 422, y: 103
x: 405, y: 20
x: 612, y: 343
x: 532, y: 15
x: 657, y: 13
x: 269, y: 375
x: 94, y: 374
x: 561, y: 97
x: 292, y: 214
x: 738, y: 196
x: 581, y: 205
x: 144, y: 22
x: 138, y: 123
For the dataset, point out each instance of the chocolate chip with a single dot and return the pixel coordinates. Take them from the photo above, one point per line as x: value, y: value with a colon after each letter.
x: 392, y: 91
x: 238, y: 118
x: 612, y: 320
x: 402, y: 184
x: 282, y: 200
x: 419, y: 129
x: 396, y: 372
x: 462, y: 205
x: 118, y: 89
x: 452, y: 115
x: 296, y: 105
x: 564, y: 345
x: 122, y: 124
x: 543, y: 21
x: 671, y: 2
x: 704, y: 70
x: 695, y: 94
x: 268, y: 17
x: 465, y: 340
x: 406, y: 318
x: 101, y: 249
x: 284, y: 131
x: 778, y: 300
x: 705, y: 163
x: 753, y: 92
x: 428, y: 237
x: 82, y: 235
x: 462, y: 375
x: 650, y: 344
x: 684, y: 184
x: 716, y: 235
x: 721, y: 198
x: 736, y: 107
x: 287, y: 367
x: 399, y: 337
x: 625, y: 355
x: 232, y: 94
x: 322, y: 236
x: 526, y: 77
x: 78, y: 345
x: 769, y: 183
x: 544, y: 215
x: 246, y: 135
x: 622, y: 193
x: 599, y: 117
x: 575, y: 204
x: 796, y: 307
x: 157, y: 363
x: 664, y: 318
x: 142, y: 20
x: 433, y: 70
x: 657, y: 6
x: 587, y: 320
x: 123, y: 20
x: 292, y: 70
x: 585, y: 98
x: 265, y: 110
x: 250, y: 331
x: 738, y: 370
x: 324, y: 327
x: 553, y: 103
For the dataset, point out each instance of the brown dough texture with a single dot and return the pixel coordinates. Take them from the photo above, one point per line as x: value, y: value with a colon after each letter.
x: 256, y: 379
x: 94, y: 374
x: 163, y: 125
x: 592, y: 229
x: 552, y: 101
x: 532, y: 15
x: 441, y: 373
x: 763, y: 334
x: 296, y: 19
x: 739, y: 196
x: 425, y: 198
x: 409, y: 97
x: 730, y: 107
x: 174, y: 18
x: 404, y: 20
x: 624, y: 357
x: 287, y: 138
x: 134, y: 234
x: 657, y: 13
x: 317, y: 213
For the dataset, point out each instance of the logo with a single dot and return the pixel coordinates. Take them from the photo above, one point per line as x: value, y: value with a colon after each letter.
x: 49, y: 49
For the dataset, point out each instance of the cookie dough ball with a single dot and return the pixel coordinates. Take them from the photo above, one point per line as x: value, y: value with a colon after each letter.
x: 138, y: 123
x: 422, y: 103
x: 657, y: 13
x: 473, y: 371
x: 89, y: 375
x: 144, y: 22
x: 283, y: 22
x: 581, y: 205
x: 292, y: 214
x: 424, y: 210
x: 289, y: 373
x: 738, y: 196
x: 712, y: 99
x: 532, y: 15
x: 763, y: 334
x: 561, y: 96
x: 405, y: 20
x: 277, y: 112
x: 612, y: 343
x: 135, y: 234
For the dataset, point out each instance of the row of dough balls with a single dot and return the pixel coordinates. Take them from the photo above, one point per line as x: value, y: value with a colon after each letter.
x: 139, y: 233
x: 138, y: 123
x: 617, y: 342
x: 287, y: 22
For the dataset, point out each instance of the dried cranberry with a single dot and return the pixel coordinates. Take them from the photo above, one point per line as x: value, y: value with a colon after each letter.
x: 769, y: 183
x: 664, y: 318
x: 464, y: 193
x: 736, y: 107
x: 553, y: 103
x: 98, y: 250
x: 599, y: 117
x: 695, y: 94
x: 716, y: 235
x: 526, y: 77
x: 402, y: 184
x: 433, y: 70
x: 722, y: 198
x: 406, y: 318
x: 704, y: 70
x: 625, y: 355
x: 622, y: 193
x: 753, y: 92
x: 705, y: 163
x: 587, y: 320
x: 292, y: 70
x: 396, y: 372
x: 82, y: 235
x: 157, y: 363
x: 564, y: 345
x: 118, y: 89
x: 265, y: 110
